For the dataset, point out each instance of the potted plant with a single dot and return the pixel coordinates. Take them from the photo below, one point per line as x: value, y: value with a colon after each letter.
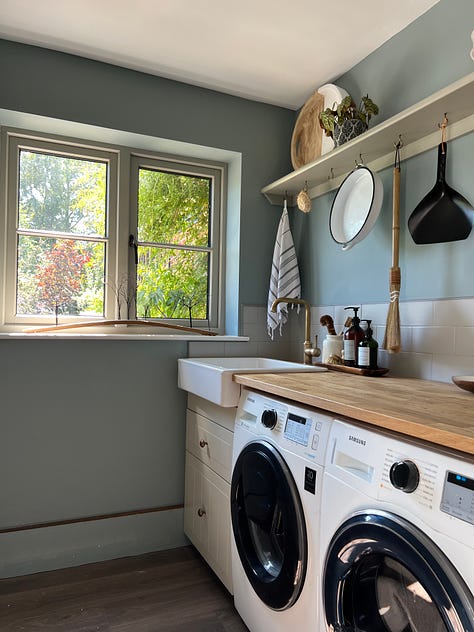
x: 345, y: 121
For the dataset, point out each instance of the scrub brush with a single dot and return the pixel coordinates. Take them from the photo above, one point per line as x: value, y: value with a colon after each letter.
x: 327, y: 321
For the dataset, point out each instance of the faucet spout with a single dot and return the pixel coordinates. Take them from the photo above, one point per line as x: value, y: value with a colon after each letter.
x: 309, y: 350
x: 297, y: 301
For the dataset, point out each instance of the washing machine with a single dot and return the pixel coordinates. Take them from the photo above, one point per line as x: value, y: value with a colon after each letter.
x: 278, y: 455
x: 397, y: 535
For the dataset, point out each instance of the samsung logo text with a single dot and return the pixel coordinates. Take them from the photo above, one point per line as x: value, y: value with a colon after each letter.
x: 357, y: 440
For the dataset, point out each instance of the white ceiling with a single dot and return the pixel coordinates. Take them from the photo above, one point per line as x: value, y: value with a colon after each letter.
x: 275, y: 51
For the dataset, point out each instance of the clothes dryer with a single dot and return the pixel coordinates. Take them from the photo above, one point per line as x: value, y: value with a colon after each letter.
x: 278, y: 457
x: 397, y: 535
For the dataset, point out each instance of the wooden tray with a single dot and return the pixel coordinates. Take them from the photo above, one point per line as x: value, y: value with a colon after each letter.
x: 355, y: 370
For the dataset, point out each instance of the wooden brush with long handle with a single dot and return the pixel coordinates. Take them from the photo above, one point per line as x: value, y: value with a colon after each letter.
x: 327, y: 321
x: 391, y: 341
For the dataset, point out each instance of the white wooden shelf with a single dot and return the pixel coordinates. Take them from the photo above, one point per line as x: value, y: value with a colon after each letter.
x: 417, y: 126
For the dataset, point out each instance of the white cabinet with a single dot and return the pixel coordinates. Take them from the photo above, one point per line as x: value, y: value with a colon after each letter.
x: 209, y: 437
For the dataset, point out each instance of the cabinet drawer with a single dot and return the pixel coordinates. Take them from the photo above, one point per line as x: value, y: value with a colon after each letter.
x: 222, y: 415
x: 210, y: 443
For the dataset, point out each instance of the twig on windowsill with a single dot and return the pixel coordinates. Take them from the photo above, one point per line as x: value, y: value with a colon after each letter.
x: 102, y: 323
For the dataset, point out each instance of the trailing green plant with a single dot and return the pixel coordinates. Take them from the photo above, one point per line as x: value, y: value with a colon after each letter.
x: 347, y: 110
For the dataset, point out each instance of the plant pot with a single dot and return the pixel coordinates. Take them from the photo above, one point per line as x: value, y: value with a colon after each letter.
x: 348, y: 130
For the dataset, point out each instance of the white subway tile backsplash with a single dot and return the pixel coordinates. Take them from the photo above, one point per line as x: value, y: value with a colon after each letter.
x: 280, y: 350
x: 376, y: 312
x: 433, y: 340
x: 378, y: 334
x: 405, y: 337
x: 437, y: 337
x: 256, y: 332
x: 240, y: 349
x: 417, y: 313
x: 454, y: 312
x: 251, y: 314
x: 445, y: 366
x: 410, y: 365
x: 464, y: 341
x: 296, y: 352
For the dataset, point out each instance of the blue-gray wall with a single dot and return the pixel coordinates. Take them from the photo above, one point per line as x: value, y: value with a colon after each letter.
x: 428, y: 55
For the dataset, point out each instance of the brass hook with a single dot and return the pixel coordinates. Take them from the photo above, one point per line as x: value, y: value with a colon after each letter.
x: 331, y: 175
x: 360, y: 162
x: 442, y: 126
x: 398, y: 146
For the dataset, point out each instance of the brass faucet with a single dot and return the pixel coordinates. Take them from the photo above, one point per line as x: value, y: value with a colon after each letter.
x: 310, y: 352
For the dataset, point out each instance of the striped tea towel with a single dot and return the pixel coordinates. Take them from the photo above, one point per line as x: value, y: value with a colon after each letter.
x: 285, y: 275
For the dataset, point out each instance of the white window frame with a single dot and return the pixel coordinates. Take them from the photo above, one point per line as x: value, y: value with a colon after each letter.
x: 215, y: 175
x: 122, y: 185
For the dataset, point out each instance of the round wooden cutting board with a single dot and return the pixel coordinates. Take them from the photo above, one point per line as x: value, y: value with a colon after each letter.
x: 307, y: 136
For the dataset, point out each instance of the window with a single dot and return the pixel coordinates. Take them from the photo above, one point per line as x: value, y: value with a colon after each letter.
x: 177, y: 236
x: 77, y: 250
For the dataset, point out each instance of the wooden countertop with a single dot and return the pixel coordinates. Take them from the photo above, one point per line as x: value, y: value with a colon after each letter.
x: 433, y: 411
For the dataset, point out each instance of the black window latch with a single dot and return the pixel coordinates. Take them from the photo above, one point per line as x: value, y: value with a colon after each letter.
x: 133, y: 244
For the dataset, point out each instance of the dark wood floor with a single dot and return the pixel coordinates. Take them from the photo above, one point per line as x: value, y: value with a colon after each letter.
x: 168, y: 591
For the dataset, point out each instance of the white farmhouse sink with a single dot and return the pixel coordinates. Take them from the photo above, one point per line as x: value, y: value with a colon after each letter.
x: 211, y: 378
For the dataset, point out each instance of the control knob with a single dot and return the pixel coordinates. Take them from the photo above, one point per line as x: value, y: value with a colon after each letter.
x: 269, y: 418
x: 404, y: 475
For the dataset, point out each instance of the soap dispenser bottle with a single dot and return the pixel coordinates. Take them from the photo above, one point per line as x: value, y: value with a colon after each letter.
x: 368, y: 349
x: 352, y: 337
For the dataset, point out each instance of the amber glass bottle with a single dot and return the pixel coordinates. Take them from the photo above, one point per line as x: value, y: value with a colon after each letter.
x: 352, y: 338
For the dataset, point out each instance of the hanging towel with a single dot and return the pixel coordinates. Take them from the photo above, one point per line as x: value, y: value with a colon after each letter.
x: 285, y: 275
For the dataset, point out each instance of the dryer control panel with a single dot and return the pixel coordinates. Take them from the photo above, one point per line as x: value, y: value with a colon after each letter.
x: 300, y: 430
x: 458, y: 496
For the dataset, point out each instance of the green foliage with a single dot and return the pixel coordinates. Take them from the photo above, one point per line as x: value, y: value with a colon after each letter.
x: 173, y: 210
x: 68, y: 196
x: 62, y: 195
x: 347, y: 110
x: 368, y: 108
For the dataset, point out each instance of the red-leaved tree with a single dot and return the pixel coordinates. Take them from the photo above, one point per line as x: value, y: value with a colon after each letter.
x: 59, y: 275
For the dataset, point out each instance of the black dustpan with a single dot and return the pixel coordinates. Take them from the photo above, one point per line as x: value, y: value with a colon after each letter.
x: 443, y: 214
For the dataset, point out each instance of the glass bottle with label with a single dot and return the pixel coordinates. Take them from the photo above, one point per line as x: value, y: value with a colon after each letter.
x: 352, y: 337
x: 368, y: 349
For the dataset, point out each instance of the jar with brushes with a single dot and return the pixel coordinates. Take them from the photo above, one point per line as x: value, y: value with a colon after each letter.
x: 332, y: 344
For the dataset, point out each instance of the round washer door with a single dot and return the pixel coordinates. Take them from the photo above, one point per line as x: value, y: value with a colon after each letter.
x: 268, y: 525
x: 382, y: 574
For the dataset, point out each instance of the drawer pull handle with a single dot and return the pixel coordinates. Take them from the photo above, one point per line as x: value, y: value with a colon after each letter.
x: 203, y: 443
x: 201, y: 512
